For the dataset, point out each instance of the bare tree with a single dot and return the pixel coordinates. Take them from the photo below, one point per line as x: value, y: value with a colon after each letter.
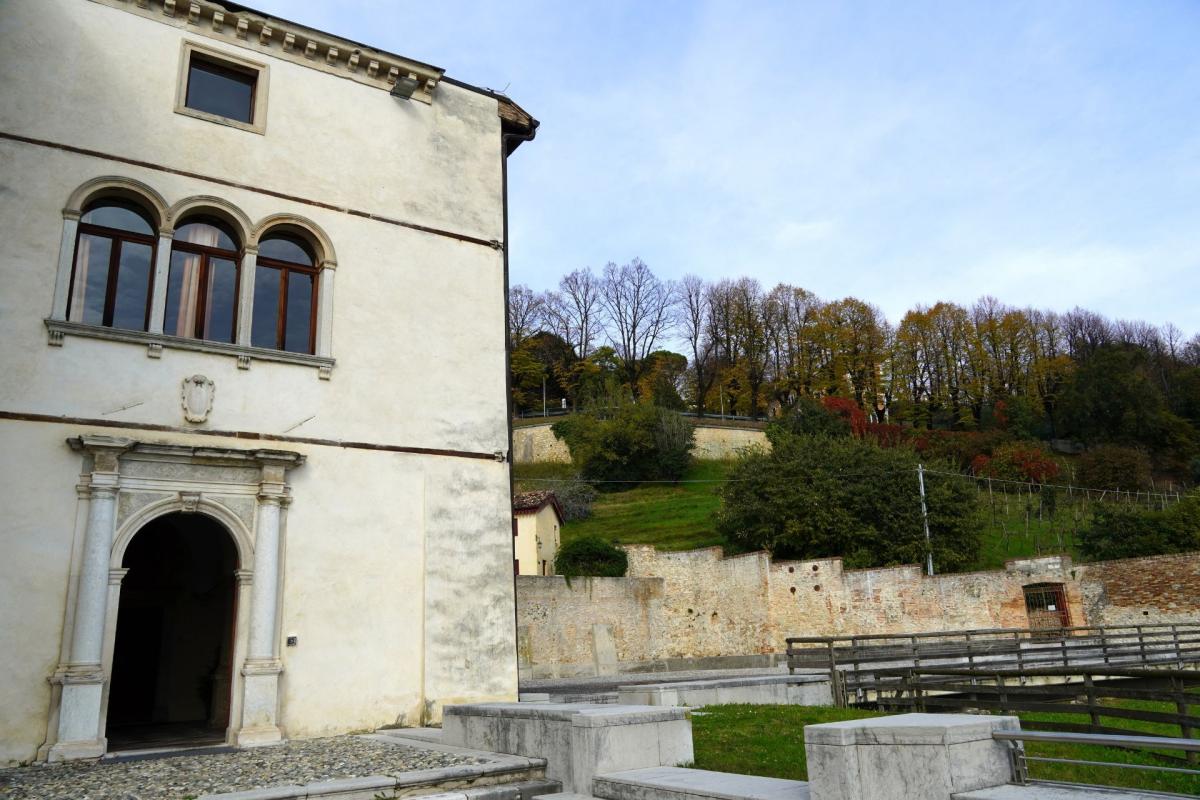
x: 525, y: 313
x: 1190, y: 352
x: 639, y: 309
x: 693, y: 326
x: 573, y: 312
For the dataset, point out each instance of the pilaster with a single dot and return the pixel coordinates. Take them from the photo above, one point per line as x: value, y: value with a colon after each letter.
x: 82, y: 676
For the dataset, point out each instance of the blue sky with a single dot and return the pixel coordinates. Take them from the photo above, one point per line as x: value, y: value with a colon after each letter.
x: 1047, y: 153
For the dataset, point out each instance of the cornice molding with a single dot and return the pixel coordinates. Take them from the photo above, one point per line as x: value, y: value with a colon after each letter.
x: 288, y: 41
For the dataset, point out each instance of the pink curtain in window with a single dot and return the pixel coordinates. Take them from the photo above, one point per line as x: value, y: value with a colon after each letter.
x: 189, y: 294
x: 83, y: 253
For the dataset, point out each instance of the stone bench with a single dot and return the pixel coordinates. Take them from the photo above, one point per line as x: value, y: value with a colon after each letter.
x: 578, y: 741
x: 802, y: 690
x: 675, y: 783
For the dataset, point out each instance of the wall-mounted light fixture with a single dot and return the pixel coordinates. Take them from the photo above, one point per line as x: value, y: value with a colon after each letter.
x: 405, y: 86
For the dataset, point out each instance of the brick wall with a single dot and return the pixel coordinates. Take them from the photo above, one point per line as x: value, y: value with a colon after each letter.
x: 699, y: 603
x: 1143, y: 590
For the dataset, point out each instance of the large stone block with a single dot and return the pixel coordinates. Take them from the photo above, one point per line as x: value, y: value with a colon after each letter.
x: 913, y: 756
x: 578, y: 740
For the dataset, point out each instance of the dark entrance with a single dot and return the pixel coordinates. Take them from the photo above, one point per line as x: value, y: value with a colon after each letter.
x: 171, y: 663
x: 1046, y: 606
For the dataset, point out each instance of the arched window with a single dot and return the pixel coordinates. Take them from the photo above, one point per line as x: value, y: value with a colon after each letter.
x: 285, y: 295
x: 202, y: 290
x: 113, y: 268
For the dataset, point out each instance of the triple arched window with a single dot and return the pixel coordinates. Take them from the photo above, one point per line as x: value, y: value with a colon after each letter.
x: 211, y: 284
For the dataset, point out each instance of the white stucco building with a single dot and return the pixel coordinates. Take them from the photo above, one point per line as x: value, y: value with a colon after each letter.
x: 242, y: 503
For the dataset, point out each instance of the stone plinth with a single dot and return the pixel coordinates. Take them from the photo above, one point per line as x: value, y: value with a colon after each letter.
x: 578, y: 740
x: 796, y: 690
x: 910, y: 756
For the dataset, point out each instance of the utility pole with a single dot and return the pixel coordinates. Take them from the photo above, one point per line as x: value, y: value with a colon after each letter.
x: 925, y: 520
x: 544, y: 396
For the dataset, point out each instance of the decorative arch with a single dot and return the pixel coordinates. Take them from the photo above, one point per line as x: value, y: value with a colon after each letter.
x: 221, y: 209
x: 124, y: 188
x: 302, y: 226
x: 240, y: 534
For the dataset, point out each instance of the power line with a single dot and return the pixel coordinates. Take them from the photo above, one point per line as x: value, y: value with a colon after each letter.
x: 1133, y: 494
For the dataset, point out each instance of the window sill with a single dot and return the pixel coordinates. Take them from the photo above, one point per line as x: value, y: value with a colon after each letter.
x: 155, y: 342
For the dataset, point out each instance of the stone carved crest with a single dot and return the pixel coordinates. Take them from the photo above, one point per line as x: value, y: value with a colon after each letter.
x: 190, y: 501
x: 198, y: 392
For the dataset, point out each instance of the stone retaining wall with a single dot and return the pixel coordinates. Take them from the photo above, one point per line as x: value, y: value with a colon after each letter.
x: 699, y: 604
x: 537, y: 443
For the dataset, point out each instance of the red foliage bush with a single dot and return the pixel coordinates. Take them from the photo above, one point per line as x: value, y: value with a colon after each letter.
x: 886, y: 434
x: 1018, y: 461
x: 848, y: 410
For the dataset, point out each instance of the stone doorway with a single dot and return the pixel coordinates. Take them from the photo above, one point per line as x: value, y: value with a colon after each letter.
x: 173, y: 655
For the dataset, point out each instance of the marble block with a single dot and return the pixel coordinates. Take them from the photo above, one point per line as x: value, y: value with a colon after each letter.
x: 910, y: 756
x: 578, y: 740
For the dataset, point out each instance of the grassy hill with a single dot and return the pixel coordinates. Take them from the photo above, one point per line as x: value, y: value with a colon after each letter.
x: 669, y: 516
x: 680, y: 516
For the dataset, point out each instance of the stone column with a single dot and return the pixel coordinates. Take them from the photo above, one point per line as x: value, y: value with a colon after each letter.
x: 261, y: 670
x: 162, y: 274
x: 66, y: 259
x: 325, y: 309
x: 82, y: 676
x: 245, y: 309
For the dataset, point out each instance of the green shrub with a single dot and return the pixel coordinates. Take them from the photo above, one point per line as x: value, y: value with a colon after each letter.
x: 575, y: 497
x: 634, y: 442
x: 590, y: 556
x: 819, y: 497
x: 1123, y: 531
x: 809, y: 417
x: 1195, y: 470
x: 1110, y: 466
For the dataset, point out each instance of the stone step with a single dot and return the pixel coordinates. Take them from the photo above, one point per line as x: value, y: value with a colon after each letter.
x: 1057, y: 791
x: 680, y: 783
x: 565, y: 796
x: 525, y: 790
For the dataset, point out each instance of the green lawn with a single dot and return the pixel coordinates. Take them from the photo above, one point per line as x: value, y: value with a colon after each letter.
x: 671, y: 516
x: 760, y: 740
x: 769, y: 740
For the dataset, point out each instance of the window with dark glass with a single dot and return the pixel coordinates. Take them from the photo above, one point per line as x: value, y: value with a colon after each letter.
x: 285, y: 295
x: 202, y: 287
x: 221, y: 89
x: 113, y: 272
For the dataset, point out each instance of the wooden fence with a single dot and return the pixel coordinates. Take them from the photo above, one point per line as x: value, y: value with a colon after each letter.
x: 853, y: 662
x: 1097, y: 697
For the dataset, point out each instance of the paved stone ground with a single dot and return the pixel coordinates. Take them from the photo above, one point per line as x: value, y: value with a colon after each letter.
x: 178, y: 777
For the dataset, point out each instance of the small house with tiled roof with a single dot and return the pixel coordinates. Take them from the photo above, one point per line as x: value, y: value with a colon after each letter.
x: 537, y: 521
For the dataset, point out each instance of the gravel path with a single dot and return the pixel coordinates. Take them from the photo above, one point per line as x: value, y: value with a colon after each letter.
x: 175, y: 778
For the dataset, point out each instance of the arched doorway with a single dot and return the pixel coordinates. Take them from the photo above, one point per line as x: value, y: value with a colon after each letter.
x: 172, y: 659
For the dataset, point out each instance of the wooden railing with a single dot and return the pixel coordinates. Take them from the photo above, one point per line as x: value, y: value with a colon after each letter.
x: 1152, y: 745
x: 854, y: 661
x: 1092, y: 695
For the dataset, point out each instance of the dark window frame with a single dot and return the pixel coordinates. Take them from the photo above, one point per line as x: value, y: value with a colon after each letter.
x: 215, y: 61
x: 284, y: 268
x: 206, y: 254
x: 225, y: 69
x: 118, y: 236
